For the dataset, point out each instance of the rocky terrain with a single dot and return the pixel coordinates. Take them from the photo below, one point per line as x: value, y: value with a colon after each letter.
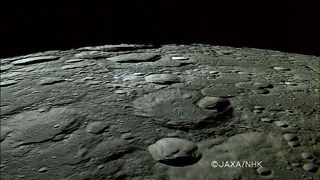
x: 145, y: 112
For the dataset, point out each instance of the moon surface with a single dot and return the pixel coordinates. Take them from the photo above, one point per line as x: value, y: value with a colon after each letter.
x: 160, y: 112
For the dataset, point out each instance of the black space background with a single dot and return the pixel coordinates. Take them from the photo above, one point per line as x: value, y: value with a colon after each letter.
x: 47, y: 25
